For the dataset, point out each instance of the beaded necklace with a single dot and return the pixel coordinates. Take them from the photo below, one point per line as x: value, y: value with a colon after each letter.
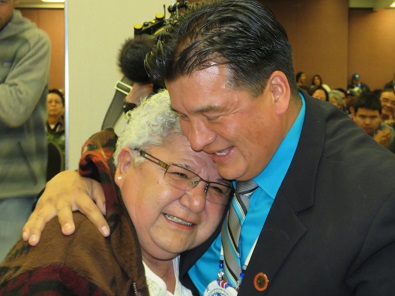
x: 221, y: 287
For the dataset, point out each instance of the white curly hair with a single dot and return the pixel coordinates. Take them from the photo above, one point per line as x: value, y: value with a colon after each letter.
x: 148, y: 125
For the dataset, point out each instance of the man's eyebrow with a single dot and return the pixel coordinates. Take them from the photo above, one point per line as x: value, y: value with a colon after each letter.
x: 174, y: 110
x: 205, y: 109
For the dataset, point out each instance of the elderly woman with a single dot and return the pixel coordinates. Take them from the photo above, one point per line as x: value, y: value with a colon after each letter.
x: 336, y: 99
x: 55, y: 118
x: 167, y: 199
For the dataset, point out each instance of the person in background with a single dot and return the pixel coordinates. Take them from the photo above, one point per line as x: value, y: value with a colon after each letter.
x: 25, y: 55
x: 387, y: 99
x: 336, y: 99
x: 342, y: 91
x: 377, y: 92
x: 300, y: 79
x: 306, y: 230
x: 367, y: 115
x: 317, y: 81
x: 350, y: 100
x: 320, y: 93
x: 131, y: 63
x: 390, y: 84
x: 55, y: 118
x: 343, y: 94
x: 357, y: 86
x: 159, y: 204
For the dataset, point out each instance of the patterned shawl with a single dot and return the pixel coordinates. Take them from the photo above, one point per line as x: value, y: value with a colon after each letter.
x: 84, y: 263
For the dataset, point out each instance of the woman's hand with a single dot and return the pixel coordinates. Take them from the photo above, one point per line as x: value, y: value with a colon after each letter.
x: 65, y: 193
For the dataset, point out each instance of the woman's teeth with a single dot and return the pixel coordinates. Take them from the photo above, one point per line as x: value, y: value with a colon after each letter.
x: 177, y: 220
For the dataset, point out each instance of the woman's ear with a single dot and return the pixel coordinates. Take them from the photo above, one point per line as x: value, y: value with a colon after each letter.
x: 125, y: 161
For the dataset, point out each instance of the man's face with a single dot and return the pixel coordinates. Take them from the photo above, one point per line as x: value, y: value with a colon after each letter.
x: 240, y: 132
x: 6, y: 10
x: 368, y: 120
x: 387, y: 100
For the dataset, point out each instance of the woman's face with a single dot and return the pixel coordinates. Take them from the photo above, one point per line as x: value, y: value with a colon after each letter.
x: 319, y: 94
x: 168, y: 220
x: 303, y: 78
x: 55, y: 105
x: 317, y: 80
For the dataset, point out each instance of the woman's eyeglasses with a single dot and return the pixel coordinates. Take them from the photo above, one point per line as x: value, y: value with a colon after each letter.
x: 184, y: 179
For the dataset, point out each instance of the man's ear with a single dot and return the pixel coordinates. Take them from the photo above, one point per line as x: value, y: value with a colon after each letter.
x: 125, y: 162
x: 280, y: 90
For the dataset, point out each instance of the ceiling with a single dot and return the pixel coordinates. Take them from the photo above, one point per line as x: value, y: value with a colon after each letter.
x: 39, y: 4
x: 374, y: 4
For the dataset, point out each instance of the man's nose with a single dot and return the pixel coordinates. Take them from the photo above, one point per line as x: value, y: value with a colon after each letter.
x: 199, y: 135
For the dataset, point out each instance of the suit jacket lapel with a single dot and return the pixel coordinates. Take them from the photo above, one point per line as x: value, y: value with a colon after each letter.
x: 282, y: 229
x: 280, y: 234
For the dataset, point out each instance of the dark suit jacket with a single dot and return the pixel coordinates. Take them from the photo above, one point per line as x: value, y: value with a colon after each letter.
x: 331, y: 230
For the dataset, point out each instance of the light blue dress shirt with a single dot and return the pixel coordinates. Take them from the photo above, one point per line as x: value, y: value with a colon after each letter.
x: 269, y: 181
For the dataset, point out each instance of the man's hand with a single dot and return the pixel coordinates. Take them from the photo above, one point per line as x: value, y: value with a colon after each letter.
x: 383, y: 137
x: 65, y: 193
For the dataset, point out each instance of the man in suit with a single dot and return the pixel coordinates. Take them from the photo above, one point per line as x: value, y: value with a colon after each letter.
x: 321, y: 221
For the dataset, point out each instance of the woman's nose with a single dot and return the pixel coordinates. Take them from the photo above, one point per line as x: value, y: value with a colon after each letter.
x: 195, y: 199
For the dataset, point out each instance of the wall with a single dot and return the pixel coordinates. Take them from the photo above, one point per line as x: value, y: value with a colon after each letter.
x: 96, y: 30
x: 331, y: 40
x: 52, y: 22
x: 371, y: 46
x: 318, y: 33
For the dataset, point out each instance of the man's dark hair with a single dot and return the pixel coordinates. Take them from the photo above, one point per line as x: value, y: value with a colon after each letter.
x: 367, y: 101
x: 244, y: 35
x: 388, y: 89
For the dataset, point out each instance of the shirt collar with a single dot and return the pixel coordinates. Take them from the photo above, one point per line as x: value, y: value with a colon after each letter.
x: 272, y: 176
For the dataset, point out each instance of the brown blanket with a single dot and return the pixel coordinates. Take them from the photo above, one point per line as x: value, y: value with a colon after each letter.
x: 84, y: 263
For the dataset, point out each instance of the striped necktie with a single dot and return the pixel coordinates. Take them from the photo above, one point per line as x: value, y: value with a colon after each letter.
x: 231, y: 229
